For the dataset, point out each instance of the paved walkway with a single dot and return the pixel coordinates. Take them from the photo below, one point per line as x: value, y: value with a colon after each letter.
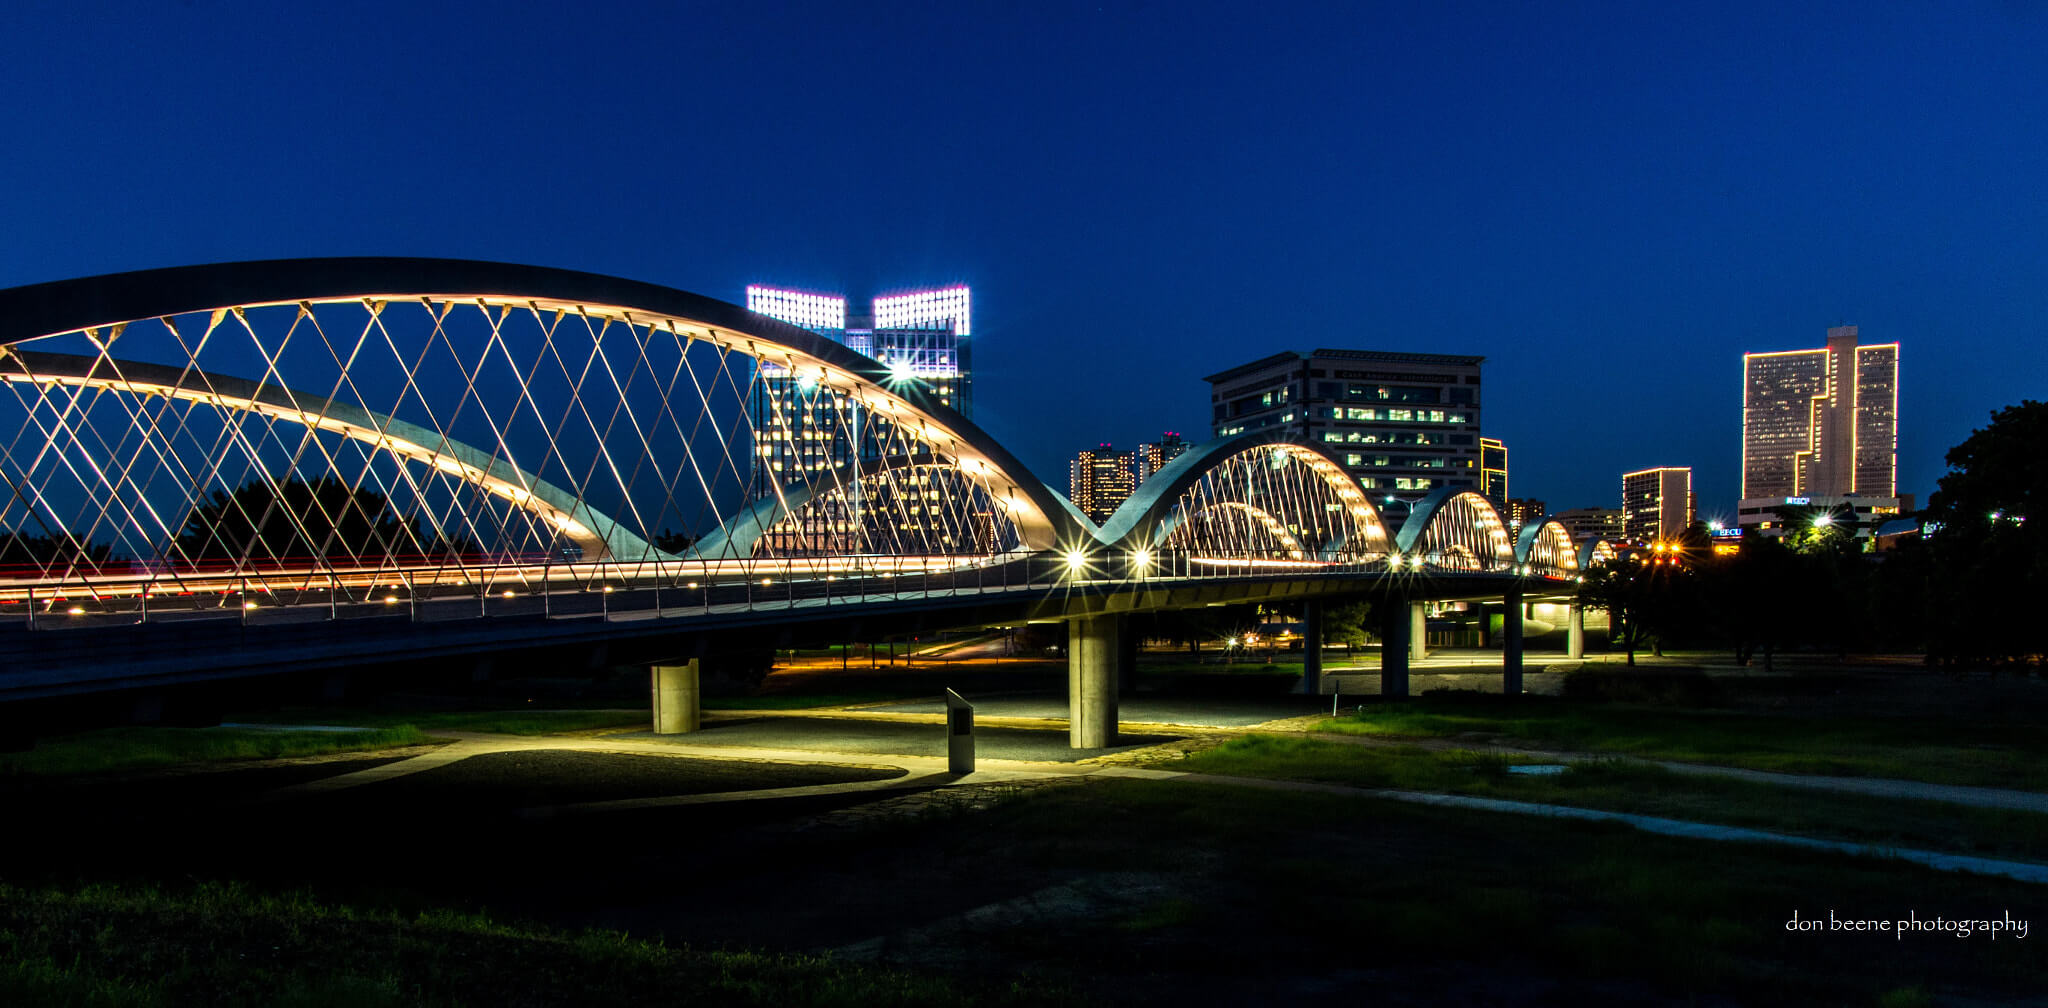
x: 1882, y: 787
x: 926, y: 773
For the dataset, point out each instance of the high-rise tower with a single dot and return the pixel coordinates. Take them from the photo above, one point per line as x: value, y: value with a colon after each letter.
x: 1820, y: 432
x: 920, y: 335
x: 1823, y: 422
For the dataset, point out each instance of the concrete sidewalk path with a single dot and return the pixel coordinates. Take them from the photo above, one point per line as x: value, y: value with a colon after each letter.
x: 927, y: 772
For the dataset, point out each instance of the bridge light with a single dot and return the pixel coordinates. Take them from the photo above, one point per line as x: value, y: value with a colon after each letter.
x: 76, y: 610
x: 692, y: 584
x: 248, y: 605
x: 1142, y: 558
x: 607, y: 589
x: 508, y: 593
x: 390, y: 600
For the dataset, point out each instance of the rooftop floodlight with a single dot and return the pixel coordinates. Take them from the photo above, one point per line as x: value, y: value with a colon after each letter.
x: 901, y: 370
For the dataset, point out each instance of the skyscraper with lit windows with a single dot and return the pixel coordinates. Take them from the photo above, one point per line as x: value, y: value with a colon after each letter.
x: 1822, y: 422
x: 921, y: 335
x: 1402, y: 424
x: 1820, y: 431
x: 1099, y: 480
x: 1656, y: 503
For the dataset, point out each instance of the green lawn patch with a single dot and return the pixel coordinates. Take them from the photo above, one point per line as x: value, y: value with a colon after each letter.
x: 1627, y: 786
x: 142, y: 748
x: 1982, y: 752
x: 227, y: 945
x: 497, y: 721
x: 1366, y: 899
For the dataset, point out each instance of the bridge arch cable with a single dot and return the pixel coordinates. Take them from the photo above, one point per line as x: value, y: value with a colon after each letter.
x: 1546, y: 548
x: 1263, y: 502
x: 1456, y: 529
x: 440, y: 428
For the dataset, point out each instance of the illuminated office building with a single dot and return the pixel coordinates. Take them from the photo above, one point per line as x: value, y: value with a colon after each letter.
x: 1493, y: 472
x: 1153, y: 456
x: 1591, y: 523
x: 921, y: 335
x: 1402, y: 424
x: 1823, y: 422
x: 801, y: 429
x: 1523, y: 510
x: 1099, y: 480
x: 1820, y: 430
x: 1656, y: 504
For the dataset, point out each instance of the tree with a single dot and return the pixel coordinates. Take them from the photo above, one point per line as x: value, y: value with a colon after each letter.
x: 1346, y: 622
x: 1754, y: 595
x: 52, y: 553
x: 1988, y: 541
x: 326, y: 519
x: 1649, y: 594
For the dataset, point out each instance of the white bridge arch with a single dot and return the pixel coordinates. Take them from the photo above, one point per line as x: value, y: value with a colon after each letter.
x: 372, y: 423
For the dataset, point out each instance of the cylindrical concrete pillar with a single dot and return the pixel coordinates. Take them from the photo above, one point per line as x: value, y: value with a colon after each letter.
x: 676, y: 698
x: 1312, y: 647
x: 1091, y: 682
x: 1511, y: 644
x: 1395, y: 624
x: 1575, y: 633
x: 1418, y: 630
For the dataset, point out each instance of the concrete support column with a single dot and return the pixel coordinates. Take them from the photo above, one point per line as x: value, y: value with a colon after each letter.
x: 1575, y: 633
x: 1395, y: 625
x: 1312, y: 647
x: 675, y: 698
x: 1091, y: 681
x: 1418, y: 630
x: 1511, y: 643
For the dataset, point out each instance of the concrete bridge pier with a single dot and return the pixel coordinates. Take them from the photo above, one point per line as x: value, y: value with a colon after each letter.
x: 676, y: 698
x: 1418, y: 630
x: 1093, y: 643
x: 1511, y: 643
x: 1397, y: 622
x: 1312, y: 647
x: 1575, y: 633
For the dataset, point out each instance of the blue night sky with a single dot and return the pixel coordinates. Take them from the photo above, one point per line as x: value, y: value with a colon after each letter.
x: 1611, y: 202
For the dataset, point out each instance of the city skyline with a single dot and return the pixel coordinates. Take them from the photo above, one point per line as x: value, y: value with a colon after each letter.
x: 1136, y: 198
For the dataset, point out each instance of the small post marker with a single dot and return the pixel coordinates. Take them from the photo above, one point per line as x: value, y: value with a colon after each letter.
x: 959, y: 734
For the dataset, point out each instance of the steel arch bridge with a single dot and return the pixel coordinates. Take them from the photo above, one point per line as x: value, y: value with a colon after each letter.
x: 343, y: 435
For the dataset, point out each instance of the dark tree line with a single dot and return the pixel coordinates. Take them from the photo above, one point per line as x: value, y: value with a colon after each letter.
x: 1966, y: 592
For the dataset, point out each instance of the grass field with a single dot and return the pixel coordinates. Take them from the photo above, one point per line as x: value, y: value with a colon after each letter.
x: 1981, y: 751
x: 141, y: 748
x: 1625, y: 786
x: 226, y: 945
x: 1487, y: 908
